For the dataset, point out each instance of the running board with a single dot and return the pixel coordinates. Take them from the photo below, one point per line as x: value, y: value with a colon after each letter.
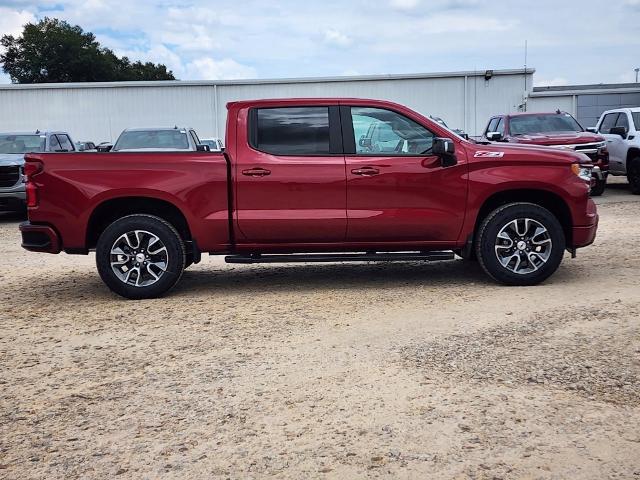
x: 341, y: 257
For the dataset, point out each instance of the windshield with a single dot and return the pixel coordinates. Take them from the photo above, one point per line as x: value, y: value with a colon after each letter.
x: 159, y: 139
x: 636, y: 119
x: 21, y: 143
x: 544, y: 123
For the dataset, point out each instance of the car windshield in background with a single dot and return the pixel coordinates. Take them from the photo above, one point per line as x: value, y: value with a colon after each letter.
x: 160, y: 139
x: 21, y: 143
x: 636, y: 119
x: 531, y: 124
x: 213, y: 145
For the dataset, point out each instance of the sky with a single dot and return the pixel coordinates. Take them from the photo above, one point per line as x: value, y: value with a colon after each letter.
x: 569, y: 41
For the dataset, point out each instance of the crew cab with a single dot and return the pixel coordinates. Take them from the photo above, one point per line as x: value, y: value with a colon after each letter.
x: 293, y: 184
x: 558, y: 130
x: 621, y: 128
x: 13, y: 147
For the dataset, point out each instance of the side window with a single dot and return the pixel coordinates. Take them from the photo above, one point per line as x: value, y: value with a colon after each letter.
x: 500, y: 126
x: 492, y: 125
x: 608, y: 121
x: 623, y: 121
x: 54, y: 144
x: 292, y: 131
x: 379, y: 131
x: 65, y: 143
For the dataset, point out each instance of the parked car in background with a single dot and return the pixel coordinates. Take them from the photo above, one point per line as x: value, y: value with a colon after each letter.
x: 104, y: 147
x: 215, y: 144
x: 621, y: 128
x: 13, y: 147
x: 557, y: 129
x: 295, y: 185
x: 169, y: 139
x: 85, y: 146
x: 457, y: 131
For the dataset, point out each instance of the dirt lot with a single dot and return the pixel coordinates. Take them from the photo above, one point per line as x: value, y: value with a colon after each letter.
x: 325, y: 371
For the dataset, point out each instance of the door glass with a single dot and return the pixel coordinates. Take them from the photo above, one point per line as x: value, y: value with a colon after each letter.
x: 623, y: 121
x: 293, y: 130
x: 379, y: 131
x: 608, y: 121
x: 500, y: 126
x: 65, y: 144
x: 492, y: 125
x: 54, y: 144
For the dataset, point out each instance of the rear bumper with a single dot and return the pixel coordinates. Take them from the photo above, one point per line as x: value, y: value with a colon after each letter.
x: 39, y: 238
x: 584, y: 235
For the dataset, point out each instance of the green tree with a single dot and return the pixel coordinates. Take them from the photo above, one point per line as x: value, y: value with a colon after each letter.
x: 52, y: 51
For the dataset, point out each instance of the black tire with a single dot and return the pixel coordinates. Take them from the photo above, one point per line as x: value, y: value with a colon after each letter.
x: 598, y: 188
x: 633, y: 175
x: 165, y: 232
x: 488, y: 235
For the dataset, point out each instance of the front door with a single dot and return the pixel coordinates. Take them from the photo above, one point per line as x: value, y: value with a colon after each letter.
x: 615, y: 143
x: 290, y: 177
x: 397, y: 190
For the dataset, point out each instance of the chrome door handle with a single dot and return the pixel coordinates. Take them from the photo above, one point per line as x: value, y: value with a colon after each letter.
x: 256, y: 172
x: 365, y: 171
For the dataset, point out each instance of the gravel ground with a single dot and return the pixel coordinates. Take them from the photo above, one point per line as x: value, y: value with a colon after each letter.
x: 405, y: 370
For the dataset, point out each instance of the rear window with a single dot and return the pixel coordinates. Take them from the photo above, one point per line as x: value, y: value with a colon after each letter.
x: 531, y: 124
x: 292, y: 131
x: 21, y: 143
x: 153, y: 139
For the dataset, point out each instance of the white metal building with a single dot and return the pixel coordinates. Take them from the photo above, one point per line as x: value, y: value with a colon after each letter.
x: 100, y: 111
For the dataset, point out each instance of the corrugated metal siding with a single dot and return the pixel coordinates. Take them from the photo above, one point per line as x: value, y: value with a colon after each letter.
x: 100, y: 114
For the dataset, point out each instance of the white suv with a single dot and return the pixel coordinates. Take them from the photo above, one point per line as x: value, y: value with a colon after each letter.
x: 621, y: 128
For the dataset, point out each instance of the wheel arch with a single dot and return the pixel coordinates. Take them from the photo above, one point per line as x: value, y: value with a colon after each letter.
x: 632, y: 153
x: 110, y: 210
x: 545, y: 198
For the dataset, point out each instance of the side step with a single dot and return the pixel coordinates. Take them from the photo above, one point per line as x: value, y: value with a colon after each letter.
x: 341, y: 257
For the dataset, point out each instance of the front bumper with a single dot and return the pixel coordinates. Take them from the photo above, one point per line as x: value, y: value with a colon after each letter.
x: 584, y: 235
x: 40, y: 238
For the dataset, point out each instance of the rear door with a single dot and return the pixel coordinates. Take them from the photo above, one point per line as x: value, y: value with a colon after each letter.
x: 397, y: 190
x: 290, y: 176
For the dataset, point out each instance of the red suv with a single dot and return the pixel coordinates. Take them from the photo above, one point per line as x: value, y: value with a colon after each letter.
x: 559, y: 130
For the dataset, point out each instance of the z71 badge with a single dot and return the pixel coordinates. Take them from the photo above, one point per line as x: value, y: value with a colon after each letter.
x: 487, y: 154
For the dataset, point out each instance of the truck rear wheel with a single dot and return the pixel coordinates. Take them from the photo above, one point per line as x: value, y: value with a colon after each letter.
x: 520, y: 244
x: 140, y: 256
x: 633, y: 175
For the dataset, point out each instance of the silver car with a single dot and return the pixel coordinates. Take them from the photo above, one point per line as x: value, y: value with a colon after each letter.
x: 168, y: 139
x: 13, y: 146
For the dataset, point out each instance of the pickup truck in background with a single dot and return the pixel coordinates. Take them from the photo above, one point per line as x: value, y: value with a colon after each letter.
x: 13, y: 147
x: 168, y: 139
x: 621, y: 128
x: 558, y: 130
x: 295, y: 185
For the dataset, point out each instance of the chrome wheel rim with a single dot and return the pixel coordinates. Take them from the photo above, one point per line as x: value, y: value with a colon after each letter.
x: 139, y: 258
x: 523, y: 245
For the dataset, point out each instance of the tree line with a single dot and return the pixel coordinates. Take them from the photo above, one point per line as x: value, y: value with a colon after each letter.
x: 53, y: 51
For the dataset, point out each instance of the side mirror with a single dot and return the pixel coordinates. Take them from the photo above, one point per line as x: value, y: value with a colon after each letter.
x: 592, y: 130
x: 445, y: 149
x: 364, y: 142
x: 622, y: 131
x: 494, y: 136
x: 203, y: 148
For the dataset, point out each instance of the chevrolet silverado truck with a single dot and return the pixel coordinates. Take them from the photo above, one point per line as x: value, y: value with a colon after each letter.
x: 13, y: 147
x: 621, y: 128
x: 294, y: 185
x: 557, y: 130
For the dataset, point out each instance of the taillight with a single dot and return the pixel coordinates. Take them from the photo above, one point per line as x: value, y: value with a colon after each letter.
x: 31, y: 169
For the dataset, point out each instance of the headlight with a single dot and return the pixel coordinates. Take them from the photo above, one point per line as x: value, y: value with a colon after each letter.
x: 582, y: 171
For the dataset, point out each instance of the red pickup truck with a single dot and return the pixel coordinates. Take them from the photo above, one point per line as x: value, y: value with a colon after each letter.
x: 302, y: 180
x: 558, y: 130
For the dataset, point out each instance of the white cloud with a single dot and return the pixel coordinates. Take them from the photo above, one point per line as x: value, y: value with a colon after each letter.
x: 12, y: 21
x: 404, y: 4
x: 210, y: 69
x: 334, y: 37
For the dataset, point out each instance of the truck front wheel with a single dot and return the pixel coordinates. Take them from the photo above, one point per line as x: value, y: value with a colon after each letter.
x: 140, y: 256
x: 520, y: 244
x: 633, y: 175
